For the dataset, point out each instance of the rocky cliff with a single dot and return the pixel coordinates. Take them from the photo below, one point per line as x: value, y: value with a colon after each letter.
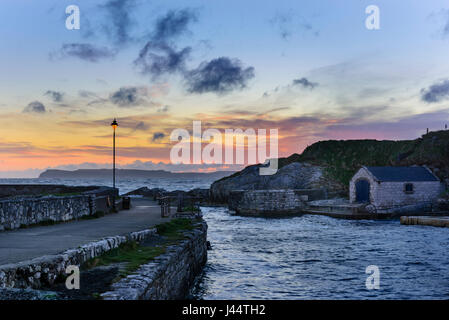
x: 295, y: 175
x: 331, y: 164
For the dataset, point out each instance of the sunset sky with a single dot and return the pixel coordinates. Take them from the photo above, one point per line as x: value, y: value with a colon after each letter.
x: 311, y: 69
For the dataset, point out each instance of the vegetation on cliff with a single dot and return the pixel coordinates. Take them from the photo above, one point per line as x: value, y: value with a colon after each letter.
x: 340, y: 159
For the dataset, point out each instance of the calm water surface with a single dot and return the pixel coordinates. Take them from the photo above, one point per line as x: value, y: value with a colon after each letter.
x: 317, y: 257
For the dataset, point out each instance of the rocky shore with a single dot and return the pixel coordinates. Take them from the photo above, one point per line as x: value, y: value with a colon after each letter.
x: 294, y: 176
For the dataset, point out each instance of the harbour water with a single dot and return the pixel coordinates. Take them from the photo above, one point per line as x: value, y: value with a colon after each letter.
x: 318, y: 257
x: 309, y: 257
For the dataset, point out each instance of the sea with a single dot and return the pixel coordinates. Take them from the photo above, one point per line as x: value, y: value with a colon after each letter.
x: 308, y: 257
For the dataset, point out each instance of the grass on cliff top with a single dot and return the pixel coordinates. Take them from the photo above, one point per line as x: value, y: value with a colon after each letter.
x: 342, y: 158
x: 133, y: 254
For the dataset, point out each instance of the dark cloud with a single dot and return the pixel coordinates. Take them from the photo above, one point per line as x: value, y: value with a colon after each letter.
x: 56, y: 96
x: 305, y: 83
x: 85, y: 51
x: 119, y: 21
x: 173, y: 24
x: 219, y: 75
x: 158, y: 58
x: 141, y: 126
x: 157, y: 136
x: 436, y: 92
x: 34, y: 107
x: 128, y: 96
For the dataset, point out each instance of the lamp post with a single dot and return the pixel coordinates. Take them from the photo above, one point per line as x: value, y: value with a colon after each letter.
x: 114, y: 125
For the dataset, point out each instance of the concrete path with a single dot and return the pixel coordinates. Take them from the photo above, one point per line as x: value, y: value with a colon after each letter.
x: 25, y: 244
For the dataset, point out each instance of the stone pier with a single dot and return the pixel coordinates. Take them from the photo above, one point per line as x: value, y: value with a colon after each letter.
x: 441, y: 221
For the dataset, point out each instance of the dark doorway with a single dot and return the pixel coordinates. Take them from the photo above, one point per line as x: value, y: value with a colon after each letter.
x: 362, y: 191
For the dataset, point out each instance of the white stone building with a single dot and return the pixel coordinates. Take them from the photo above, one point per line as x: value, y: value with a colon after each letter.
x: 389, y: 187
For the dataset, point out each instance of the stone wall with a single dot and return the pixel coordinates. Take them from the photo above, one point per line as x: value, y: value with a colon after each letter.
x: 386, y: 195
x: 45, y: 270
x: 26, y: 205
x: 260, y: 202
x: 170, y: 275
x: 29, y: 211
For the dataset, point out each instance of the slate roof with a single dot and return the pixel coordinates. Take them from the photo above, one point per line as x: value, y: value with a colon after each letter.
x: 402, y: 174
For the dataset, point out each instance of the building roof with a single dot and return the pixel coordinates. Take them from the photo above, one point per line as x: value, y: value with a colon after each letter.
x: 402, y: 174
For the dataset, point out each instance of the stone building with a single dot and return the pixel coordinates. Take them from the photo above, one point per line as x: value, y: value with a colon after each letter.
x: 389, y: 187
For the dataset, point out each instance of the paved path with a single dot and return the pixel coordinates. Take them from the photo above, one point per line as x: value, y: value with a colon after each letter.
x: 25, y: 244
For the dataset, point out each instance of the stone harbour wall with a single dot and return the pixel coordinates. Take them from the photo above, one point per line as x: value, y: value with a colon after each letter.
x: 45, y: 270
x: 259, y: 202
x: 169, y: 276
x: 15, y: 213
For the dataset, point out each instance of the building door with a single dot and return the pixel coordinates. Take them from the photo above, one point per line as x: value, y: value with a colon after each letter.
x: 362, y: 191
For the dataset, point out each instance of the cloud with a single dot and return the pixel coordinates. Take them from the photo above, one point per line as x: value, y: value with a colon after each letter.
x: 163, y: 109
x: 84, y: 51
x: 87, y: 94
x: 128, y: 96
x: 35, y: 107
x: 219, y: 75
x: 305, y: 83
x: 119, y: 20
x: 436, y: 92
x: 151, y: 165
x: 141, y: 126
x: 157, y: 59
x: 173, y: 24
x: 287, y: 24
x: 159, y: 56
x: 446, y: 26
x: 157, y: 136
x: 56, y: 96
x: 408, y: 127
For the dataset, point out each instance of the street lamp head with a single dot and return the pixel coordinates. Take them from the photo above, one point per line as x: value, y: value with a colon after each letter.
x: 114, y: 124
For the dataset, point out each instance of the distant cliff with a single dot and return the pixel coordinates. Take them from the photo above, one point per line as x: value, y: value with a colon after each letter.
x: 331, y: 164
x: 130, y: 174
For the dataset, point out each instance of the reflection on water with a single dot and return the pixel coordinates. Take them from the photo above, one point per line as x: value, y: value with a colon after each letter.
x: 317, y: 257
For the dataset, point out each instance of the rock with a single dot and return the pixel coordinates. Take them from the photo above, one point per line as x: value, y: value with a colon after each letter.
x: 292, y: 176
x: 201, y: 195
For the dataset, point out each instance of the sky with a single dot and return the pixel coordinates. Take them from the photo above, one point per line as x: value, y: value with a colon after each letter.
x: 311, y: 69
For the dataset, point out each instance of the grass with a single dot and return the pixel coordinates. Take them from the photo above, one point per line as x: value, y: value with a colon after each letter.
x: 134, y: 255
x: 173, y: 230
x: 131, y: 252
x: 190, y: 209
x: 342, y: 158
